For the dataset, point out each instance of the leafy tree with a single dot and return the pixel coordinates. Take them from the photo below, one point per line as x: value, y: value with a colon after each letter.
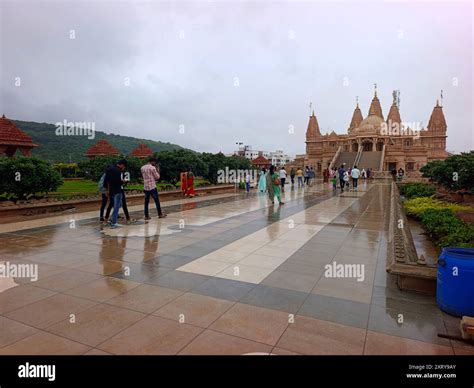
x: 67, y: 170
x: 94, y: 168
x: 454, y: 173
x: 23, y: 177
x: 215, y: 162
x: 172, y: 163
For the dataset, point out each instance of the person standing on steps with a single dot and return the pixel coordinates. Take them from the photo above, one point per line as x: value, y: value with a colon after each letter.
x: 150, y: 176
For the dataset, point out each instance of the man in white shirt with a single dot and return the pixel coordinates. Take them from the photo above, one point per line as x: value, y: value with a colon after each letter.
x: 355, y: 173
x: 282, y: 178
x: 247, y: 182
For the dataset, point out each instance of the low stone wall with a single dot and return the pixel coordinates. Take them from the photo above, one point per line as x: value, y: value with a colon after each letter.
x: 55, y: 205
x: 413, y: 273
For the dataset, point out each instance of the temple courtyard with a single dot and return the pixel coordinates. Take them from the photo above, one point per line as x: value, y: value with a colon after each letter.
x: 222, y: 274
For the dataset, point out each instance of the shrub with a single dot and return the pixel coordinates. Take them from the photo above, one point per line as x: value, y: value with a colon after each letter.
x: 23, y: 177
x: 454, y: 173
x: 414, y: 190
x: 446, y: 229
x: 417, y: 206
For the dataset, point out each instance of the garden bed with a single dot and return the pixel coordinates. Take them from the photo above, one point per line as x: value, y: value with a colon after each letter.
x: 439, y: 218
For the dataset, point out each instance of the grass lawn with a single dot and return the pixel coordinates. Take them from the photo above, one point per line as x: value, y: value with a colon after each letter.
x: 79, y: 187
x: 89, y: 187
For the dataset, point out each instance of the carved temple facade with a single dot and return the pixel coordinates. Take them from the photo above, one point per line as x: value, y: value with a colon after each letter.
x: 378, y: 143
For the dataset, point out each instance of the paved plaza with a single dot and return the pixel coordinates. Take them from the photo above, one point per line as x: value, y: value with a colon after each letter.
x: 223, y: 274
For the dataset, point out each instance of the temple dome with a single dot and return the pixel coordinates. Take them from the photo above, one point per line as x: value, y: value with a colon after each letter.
x: 370, y: 125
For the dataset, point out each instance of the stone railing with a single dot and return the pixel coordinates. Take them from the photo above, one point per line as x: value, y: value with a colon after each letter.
x: 336, y: 155
x: 400, y: 239
x: 382, y: 158
x: 412, y: 271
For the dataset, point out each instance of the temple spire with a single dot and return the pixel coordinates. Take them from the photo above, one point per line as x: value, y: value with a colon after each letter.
x: 375, y: 108
x: 394, y: 113
x: 313, y: 127
x: 356, y: 118
x: 437, y: 121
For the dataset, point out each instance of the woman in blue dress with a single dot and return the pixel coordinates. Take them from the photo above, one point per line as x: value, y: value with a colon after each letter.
x: 262, y: 181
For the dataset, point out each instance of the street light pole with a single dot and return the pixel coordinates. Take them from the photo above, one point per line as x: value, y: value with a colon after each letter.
x: 239, y: 143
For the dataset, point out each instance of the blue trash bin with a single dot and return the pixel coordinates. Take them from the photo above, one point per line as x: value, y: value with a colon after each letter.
x: 455, y: 283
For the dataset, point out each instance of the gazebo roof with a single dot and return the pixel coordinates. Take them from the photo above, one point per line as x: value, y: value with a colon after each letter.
x: 142, y: 151
x: 11, y: 135
x: 101, y: 148
x: 260, y: 160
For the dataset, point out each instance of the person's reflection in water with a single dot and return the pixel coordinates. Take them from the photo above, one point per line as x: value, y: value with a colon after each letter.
x: 111, y: 254
x: 150, y: 248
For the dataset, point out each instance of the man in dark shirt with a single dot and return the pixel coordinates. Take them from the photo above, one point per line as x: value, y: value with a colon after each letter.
x: 113, y: 181
x: 341, y: 172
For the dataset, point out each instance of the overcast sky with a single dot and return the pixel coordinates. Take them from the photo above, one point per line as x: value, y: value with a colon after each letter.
x: 235, y: 71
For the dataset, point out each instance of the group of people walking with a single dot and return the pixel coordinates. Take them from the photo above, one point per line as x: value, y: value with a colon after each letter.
x: 345, y: 176
x: 111, y: 187
x: 271, y: 181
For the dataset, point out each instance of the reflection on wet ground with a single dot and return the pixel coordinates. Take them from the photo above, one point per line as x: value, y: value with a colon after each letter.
x: 220, y: 275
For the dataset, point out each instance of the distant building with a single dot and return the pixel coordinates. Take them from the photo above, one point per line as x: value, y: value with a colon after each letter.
x: 142, y: 151
x: 102, y: 148
x: 277, y: 158
x: 13, y: 139
x: 376, y: 143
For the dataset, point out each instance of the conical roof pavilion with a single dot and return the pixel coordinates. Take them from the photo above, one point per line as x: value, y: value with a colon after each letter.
x: 12, y: 139
x: 102, y: 148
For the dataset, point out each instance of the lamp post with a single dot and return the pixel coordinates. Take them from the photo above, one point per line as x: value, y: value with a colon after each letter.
x: 239, y: 144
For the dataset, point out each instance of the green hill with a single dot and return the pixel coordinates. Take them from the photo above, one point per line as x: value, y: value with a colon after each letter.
x: 72, y: 148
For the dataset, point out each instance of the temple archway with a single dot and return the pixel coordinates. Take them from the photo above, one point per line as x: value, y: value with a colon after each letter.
x: 367, y: 146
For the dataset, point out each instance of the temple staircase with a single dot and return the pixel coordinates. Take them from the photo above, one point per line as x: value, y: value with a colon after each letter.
x: 347, y: 157
x: 370, y: 159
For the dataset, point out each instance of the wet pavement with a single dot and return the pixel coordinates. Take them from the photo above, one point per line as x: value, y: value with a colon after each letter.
x: 227, y: 274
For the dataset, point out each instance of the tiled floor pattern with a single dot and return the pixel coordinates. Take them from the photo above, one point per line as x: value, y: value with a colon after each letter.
x: 252, y: 258
x: 101, y: 294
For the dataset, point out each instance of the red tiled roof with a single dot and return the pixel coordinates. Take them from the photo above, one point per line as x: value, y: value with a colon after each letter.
x: 10, y: 134
x: 102, y: 147
x: 142, y: 151
x: 260, y: 160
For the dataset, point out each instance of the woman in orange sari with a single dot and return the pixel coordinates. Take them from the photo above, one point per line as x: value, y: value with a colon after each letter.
x: 190, y: 184
x: 184, y: 183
